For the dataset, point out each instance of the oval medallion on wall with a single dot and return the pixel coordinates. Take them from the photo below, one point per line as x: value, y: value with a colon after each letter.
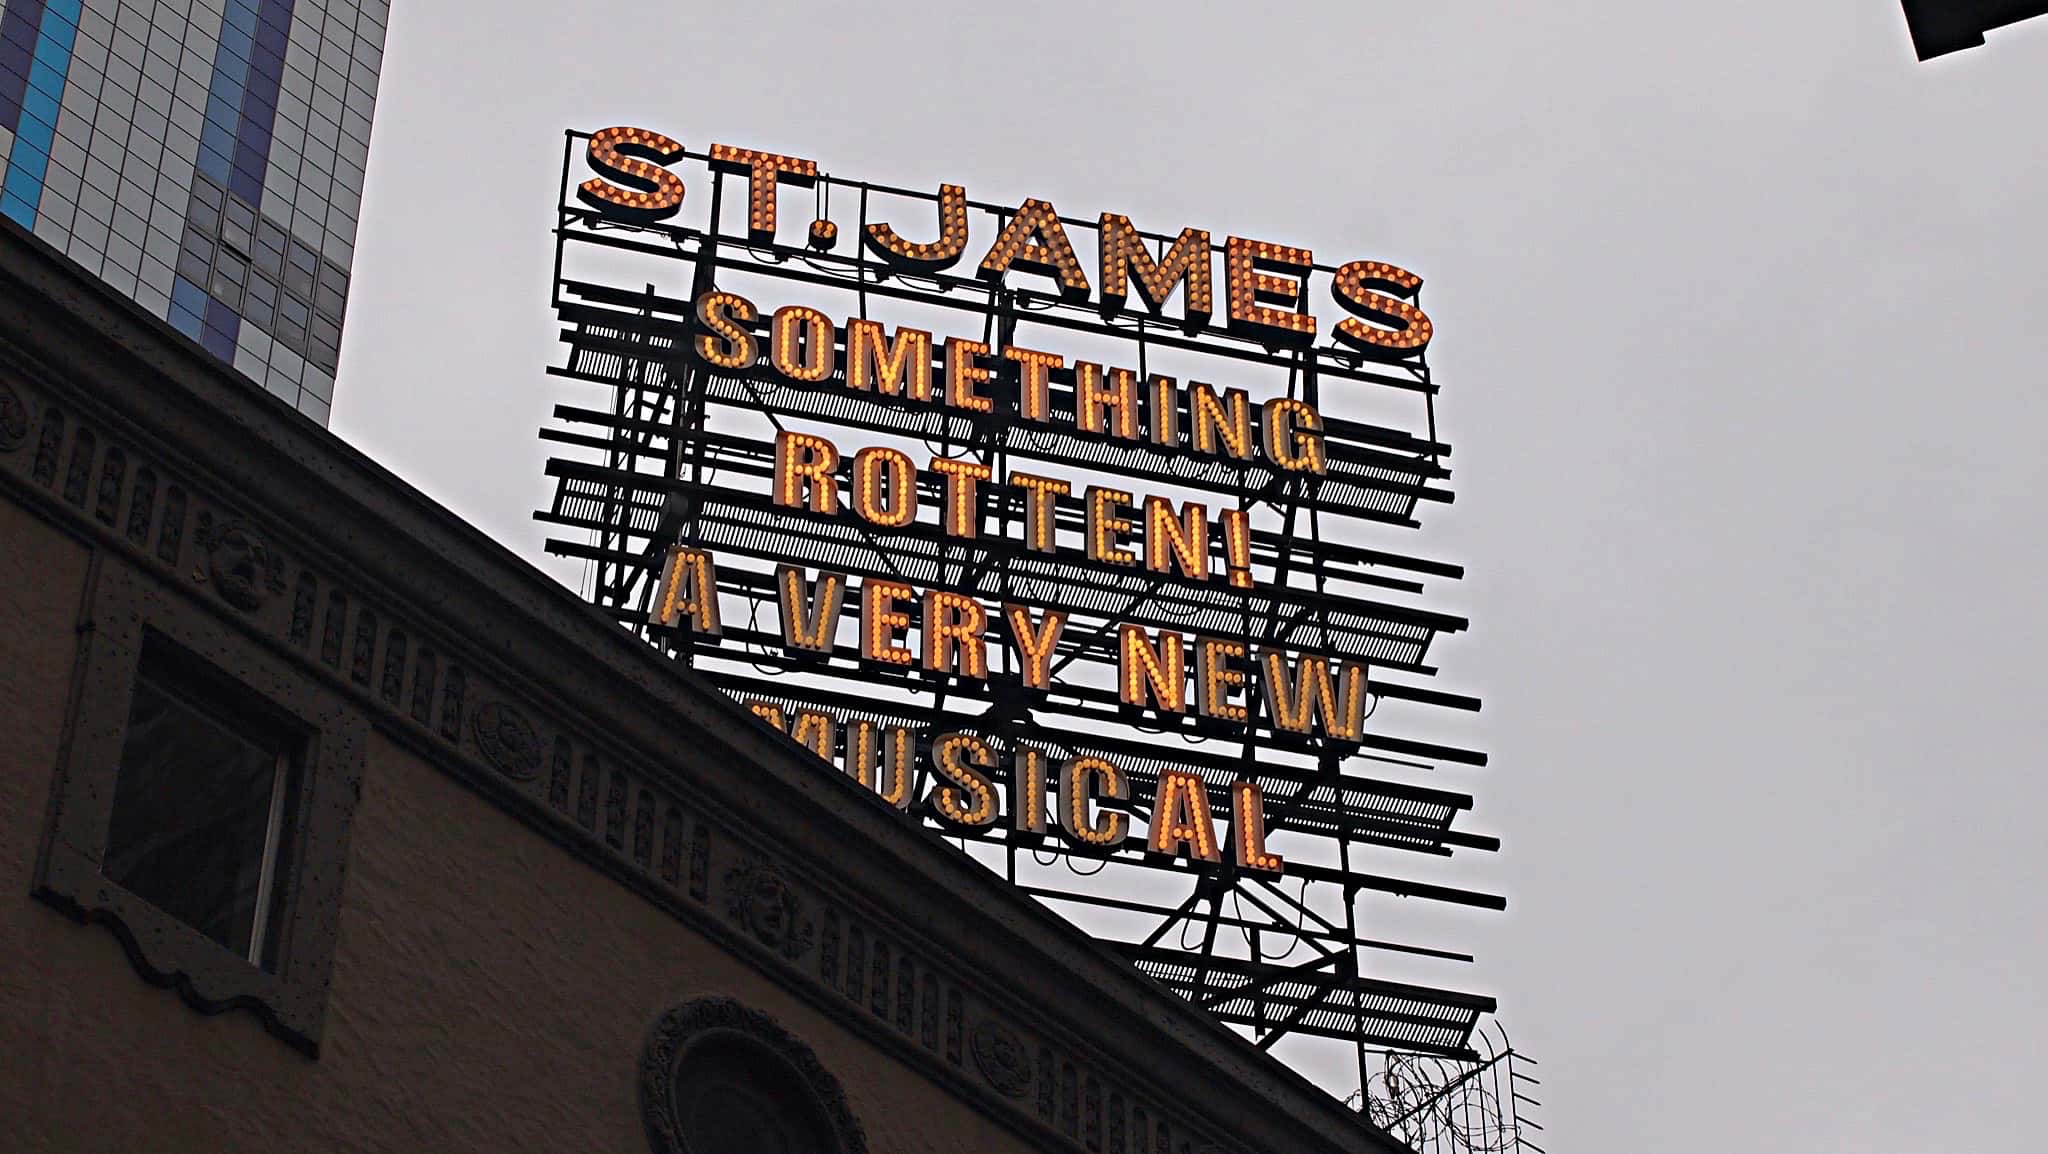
x: 1001, y: 1057
x: 507, y: 741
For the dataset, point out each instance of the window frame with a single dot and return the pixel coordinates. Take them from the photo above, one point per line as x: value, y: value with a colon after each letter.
x: 126, y: 611
x: 193, y: 685
x: 715, y: 1018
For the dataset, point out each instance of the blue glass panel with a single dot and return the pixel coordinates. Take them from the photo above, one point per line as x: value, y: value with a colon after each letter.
x: 37, y: 115
x: 188, y: 304
x: 17, y: 50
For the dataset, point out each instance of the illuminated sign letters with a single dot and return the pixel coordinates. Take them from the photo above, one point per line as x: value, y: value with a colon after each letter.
x: 1264, y: 283
x: 1068, y: 539
x: 947, y: 635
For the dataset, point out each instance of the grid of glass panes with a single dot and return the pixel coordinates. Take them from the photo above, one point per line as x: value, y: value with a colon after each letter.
x: 203, y: 156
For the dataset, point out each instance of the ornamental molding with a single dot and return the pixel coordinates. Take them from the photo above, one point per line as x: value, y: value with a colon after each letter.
x: 508, y: 741
x: 239, y: 562
x: 14, y: 422
x: 669, y: 1041
x: 513, y: 737
x: 1002, y: 1057
x: 768, y: 907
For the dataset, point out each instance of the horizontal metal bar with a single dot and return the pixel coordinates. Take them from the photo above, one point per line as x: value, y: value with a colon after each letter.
x: 1364, y: 810
x: 1001, y: 835
x: 642, y: 314
x: 1242, y: 923
x: 745, y: 583
x: 754, y: 457
x: 1371, y: 987
x: 793, y: 264
x: 1358, y: 481
x: 841, y: 542
x: 1310, y: 552
x: 1084, y: 707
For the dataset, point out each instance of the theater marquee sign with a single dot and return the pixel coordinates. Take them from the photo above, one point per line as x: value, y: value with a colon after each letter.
x: 1003, y: 514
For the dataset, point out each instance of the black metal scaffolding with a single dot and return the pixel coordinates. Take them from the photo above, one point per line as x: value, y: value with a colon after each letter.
x: 658, y: 450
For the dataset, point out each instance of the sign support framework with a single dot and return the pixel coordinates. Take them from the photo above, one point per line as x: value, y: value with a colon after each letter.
x: 690, y: 458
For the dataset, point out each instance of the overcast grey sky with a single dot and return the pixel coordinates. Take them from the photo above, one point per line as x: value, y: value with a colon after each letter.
x: 1738, y: 330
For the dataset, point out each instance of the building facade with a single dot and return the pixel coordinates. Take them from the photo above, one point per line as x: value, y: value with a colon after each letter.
x: 203, y: 157
x: 326, y: 824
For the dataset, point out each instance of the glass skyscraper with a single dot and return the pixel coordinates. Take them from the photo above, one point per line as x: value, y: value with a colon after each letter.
x: 203, y: 156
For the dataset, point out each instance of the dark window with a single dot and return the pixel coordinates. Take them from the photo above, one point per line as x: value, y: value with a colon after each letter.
x: 202, y: 810
x: 257, y: 310
x: 333, y: 279
x: 299, y: 281
x: 192, y: 267
x: 270, y: 242
x: 732, y: 1095
x: 262, y: 289
x: 202, y: 806
x: 226, y: 292
x: 229, y: 267
x: 203, y: 216
x: 241, y: 215
x: 329, y: 302
x: 236, y: 237
x: 259, y: 304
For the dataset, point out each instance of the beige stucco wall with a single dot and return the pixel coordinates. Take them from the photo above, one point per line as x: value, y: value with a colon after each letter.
x: 490, y: 992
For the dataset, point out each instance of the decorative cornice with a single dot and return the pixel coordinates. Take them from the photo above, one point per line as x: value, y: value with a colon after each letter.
x: 462, y: 652
x: 14, y: 424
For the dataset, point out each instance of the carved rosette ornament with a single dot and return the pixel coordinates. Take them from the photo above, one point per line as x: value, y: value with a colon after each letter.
x: 758, y: 898
x: 238, y: 563
x: 1000, y: 1055
x: 14, y: 424
x: 507, y: 741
